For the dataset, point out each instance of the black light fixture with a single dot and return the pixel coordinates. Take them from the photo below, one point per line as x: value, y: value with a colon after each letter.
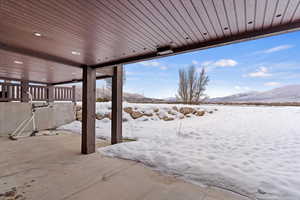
x: 164, y: 50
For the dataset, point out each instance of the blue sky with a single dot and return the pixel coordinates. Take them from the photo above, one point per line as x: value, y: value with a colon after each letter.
x: 256, y: 65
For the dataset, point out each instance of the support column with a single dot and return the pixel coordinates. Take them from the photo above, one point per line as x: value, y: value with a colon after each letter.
x: 74, y: 94
x: 24, y: 90
x: 88, y: 144
x: 50, y: 93
x: 117, y: 99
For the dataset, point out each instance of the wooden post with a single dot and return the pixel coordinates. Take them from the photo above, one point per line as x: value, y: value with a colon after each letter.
x: 117, y: 98
x: 74, y: 94
x: 24, y: 90
x: 88, y: 144
x: 50, y: 93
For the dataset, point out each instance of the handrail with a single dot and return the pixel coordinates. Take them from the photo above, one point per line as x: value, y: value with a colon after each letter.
x: 13, y: 92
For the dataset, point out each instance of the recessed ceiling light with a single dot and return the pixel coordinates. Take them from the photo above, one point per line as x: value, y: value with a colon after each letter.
x: 18, y: 62
x: 37, y: 34
x: 76, y: 53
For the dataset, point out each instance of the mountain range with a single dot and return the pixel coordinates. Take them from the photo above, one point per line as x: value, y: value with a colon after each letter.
x: 289, y: 93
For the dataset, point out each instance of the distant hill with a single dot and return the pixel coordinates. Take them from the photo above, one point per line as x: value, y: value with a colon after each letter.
x: 289, y: 93
x: 106, y: 93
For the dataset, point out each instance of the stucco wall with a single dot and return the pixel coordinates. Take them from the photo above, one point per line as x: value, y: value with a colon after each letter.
x: 13, y: 113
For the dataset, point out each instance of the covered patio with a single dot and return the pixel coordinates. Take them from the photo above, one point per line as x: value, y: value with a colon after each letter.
x: 63, y: 42
x: 59, y: 42
x: 63, y: 173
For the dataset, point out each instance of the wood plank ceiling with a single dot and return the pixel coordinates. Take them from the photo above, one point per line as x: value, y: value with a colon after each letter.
x: 64, y: 35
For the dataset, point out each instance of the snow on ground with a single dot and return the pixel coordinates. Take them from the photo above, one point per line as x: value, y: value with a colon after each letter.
x: 254, y: 151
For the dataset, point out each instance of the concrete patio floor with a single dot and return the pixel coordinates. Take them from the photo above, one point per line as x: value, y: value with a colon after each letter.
x: 52, y: 168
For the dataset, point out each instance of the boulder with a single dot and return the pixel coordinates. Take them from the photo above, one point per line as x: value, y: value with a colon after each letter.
x: 171, y: 112
x: 166, y: 118
x: 175, y: 108
x: 128, y: 110
x: 136, y: 114
x: 187, y: 110
x: 156, y: 110
x: 199, y: 113
x: 107, y: 115
x: 148, y: 114
x: 99, y: 116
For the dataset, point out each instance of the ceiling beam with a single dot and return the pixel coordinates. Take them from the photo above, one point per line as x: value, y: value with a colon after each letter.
x: 210, y: 44
x: 16, y: 79
x: 40, y: 55
x: 79, y: 80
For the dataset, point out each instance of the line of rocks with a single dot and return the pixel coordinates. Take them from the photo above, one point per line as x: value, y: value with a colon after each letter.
x: 185, y: 112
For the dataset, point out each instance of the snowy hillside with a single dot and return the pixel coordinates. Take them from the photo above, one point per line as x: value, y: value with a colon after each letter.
x: 106, y: 93
x: 290, y: 93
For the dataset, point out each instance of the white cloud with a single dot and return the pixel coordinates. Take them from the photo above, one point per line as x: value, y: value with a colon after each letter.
x: 195, y: 62
x: 277, y: 48
x: 225, y: 63
x: 150, y: 63
x: 211, y: 64
x: 154, y: 64
x: 217, y: 63
x: 163, y: 67
x: 261, y: 72
x: 272, y: 84
x: 242, y: 88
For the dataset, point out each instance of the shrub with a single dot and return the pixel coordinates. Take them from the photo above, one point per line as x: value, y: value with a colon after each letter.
x: 100, y: 99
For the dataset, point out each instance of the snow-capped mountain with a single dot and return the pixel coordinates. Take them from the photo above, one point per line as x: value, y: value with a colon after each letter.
x: 289, y: 93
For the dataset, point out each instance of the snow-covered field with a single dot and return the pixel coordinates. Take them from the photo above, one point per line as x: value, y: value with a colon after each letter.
x: 254, y: 151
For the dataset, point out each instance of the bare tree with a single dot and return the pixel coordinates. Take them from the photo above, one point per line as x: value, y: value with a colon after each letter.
x: 192, y: 85
x: 183, y: 86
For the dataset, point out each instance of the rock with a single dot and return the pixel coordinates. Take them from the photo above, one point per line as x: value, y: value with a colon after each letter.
x: 261, y: 191
x: 128, y: 110
x: 166, y: 118
x: 211, y: 112
x: 99, y: 116
x: 215, y: 109
x: 175, y: 108
x: 20, y: 197
x: 199, y: 113
x: 10, y: 193
x: 136, y: 114
x: 107, y: 115
x: 148, y: 114
x: 186, y: 110
x: 156, y: 110
x: 171, y: 112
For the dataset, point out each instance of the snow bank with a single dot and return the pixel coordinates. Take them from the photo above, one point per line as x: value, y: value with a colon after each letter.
x: 254, y: 151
